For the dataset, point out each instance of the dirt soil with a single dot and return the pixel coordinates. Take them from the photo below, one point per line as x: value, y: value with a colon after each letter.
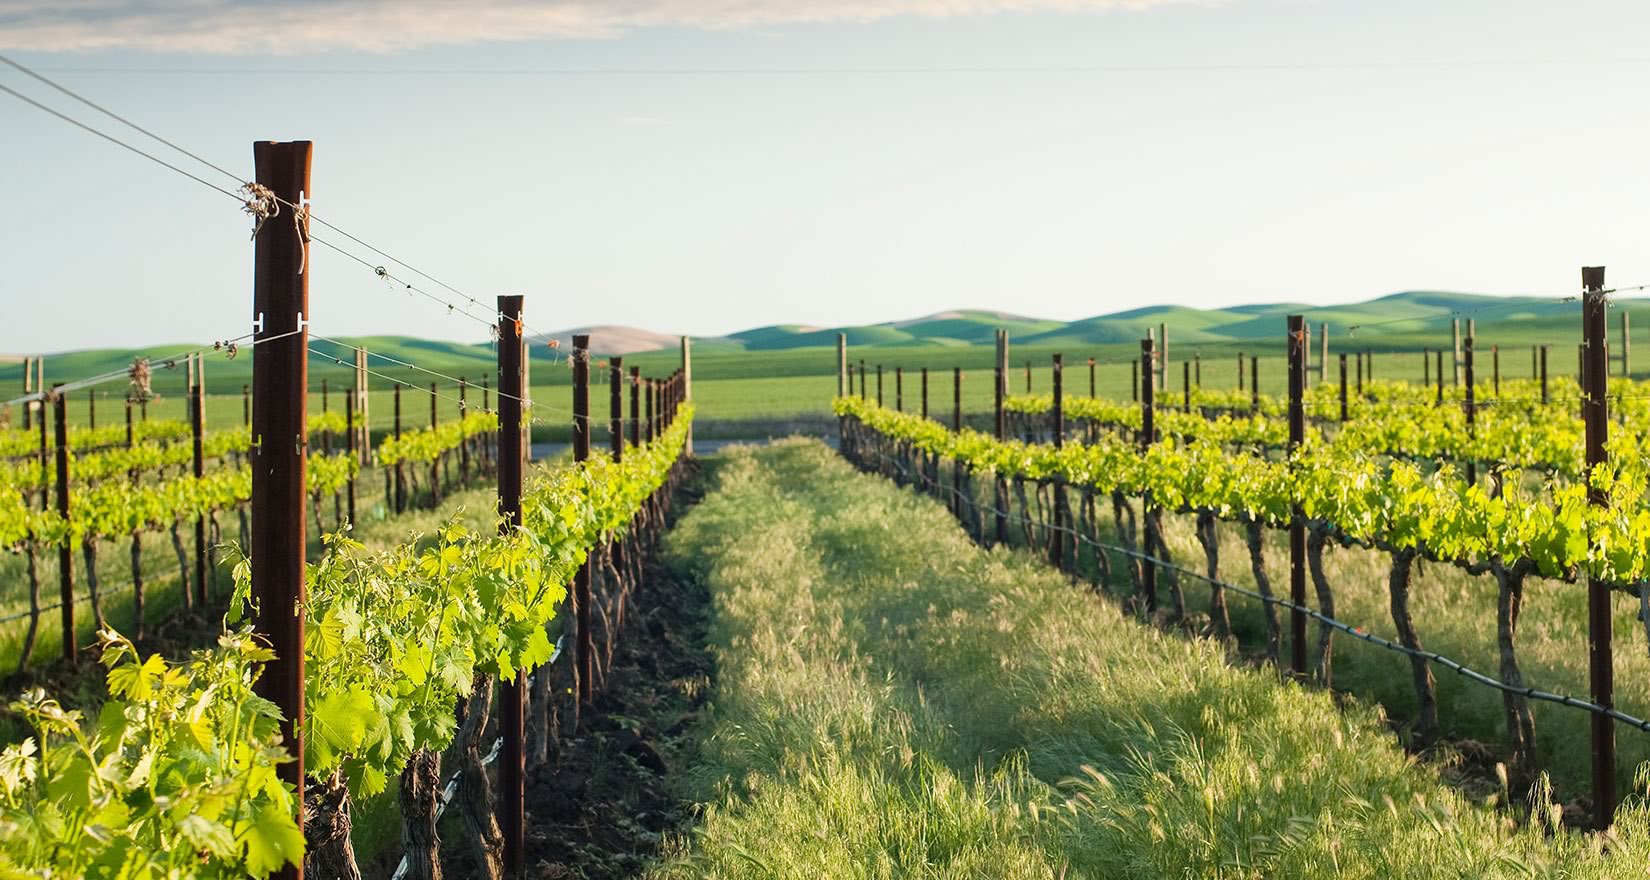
x: 603, y: 805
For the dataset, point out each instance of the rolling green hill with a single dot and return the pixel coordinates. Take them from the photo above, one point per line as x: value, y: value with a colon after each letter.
x: 743, y: 367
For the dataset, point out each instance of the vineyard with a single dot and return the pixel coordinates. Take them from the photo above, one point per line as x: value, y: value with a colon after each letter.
x: 1338, y: 625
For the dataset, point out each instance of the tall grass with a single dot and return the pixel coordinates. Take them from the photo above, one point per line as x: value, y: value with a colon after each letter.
x: 892, y: 701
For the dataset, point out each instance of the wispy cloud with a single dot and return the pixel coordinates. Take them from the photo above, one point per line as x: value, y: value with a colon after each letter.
x: 293, y: 27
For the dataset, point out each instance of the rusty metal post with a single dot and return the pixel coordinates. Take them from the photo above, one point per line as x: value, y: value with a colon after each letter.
x: 512, y: 693
x: 1148, y: 432
x: 586, y: 655
x: 280, y: 438
x: 1298, y: 356
x: 1595, y: 414
x: 65, y: 555
x: 197, y: 428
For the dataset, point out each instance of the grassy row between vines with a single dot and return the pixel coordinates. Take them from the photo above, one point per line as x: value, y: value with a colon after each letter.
x: 892, y: 701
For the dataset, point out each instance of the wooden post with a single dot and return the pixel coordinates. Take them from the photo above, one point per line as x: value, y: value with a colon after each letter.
x: 925, y: 392
x: 651, y: 390
x: 636, y: 406
x: 1361, y: 373
x: 1626, y: 347
x: 1544, y: 398
x: 879, y: 384
x: 1426, y: 366
x: 1343, y: 386
x: 684, y: 393
x: 1197, y: 369
x: 1254, y: 384
x: 899, y: 389
x: 1298, y: 354
x: 65, y: 555
x: 1440, y: 377
x: 280, y: 377
x: 197, y: 428
x: 1240, y: 371
x: 1595, y: 414
x: 999, y: 427
x: 842, y: 381
x: 1028, y: 377
x: 1162, y: 356
x: 1148, y: 431
x: 1323, y: 355
x: 862, y: 391
x: 586, y: 656
x: 615, y: 407
x: 1469, y: 403
x: 1186, y: 385
x: 1495, y: 364
x: 349, y: 450
x: 1057, y: 544
x: 464, y: 447
x: 91, y: 408
x: 1091, y: 379
x: 435, y: 463
x: 512, y: 765
x: 28, y: 405
x: 956, y: 425
x: 400, y: 475
x: 246, y: 406
x: 1455, y: 334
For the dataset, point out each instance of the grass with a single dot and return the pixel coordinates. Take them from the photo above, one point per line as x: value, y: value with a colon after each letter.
x: 892, y: 701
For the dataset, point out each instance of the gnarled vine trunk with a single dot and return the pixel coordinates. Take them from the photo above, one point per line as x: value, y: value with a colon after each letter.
x: 1263, y: 585
x: 1124, y: 515
x: 328, y: 852
x: 1520, y: 721
x: 1220, y: 619
x: 420, y: 793
x: 1326, y: 607
x: 88, y: 550
x: 475, y: 790
x: 183, y: 566
x: 1426, y: 718
x: 1156, y: 546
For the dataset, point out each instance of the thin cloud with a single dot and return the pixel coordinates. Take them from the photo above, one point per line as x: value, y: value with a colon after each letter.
x: 296, y: 27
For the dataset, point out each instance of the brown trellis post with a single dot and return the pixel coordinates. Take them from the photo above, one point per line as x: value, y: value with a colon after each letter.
x: 586, y: 655
x: 1148, y: 431
x: 513, y: 693
x: 280, y: 380
x: 65, y: 555
x: 1298, y: 356
x: 1595, y: 414
x: 1057, y: 544
x: 197, y: 427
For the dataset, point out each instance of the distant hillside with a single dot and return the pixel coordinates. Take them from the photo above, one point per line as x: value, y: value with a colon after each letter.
x: 1402, y: 321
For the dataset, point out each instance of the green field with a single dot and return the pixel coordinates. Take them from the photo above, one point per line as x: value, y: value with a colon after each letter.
x: 892, y: 701
x: 773, y: 381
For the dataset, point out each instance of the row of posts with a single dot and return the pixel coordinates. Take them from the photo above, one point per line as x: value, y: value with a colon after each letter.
x: 1594, y: 363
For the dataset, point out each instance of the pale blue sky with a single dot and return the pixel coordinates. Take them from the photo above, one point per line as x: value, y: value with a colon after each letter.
x: 737, y: 166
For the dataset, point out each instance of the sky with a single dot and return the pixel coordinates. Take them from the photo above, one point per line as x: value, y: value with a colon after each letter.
x: 705, y: 166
